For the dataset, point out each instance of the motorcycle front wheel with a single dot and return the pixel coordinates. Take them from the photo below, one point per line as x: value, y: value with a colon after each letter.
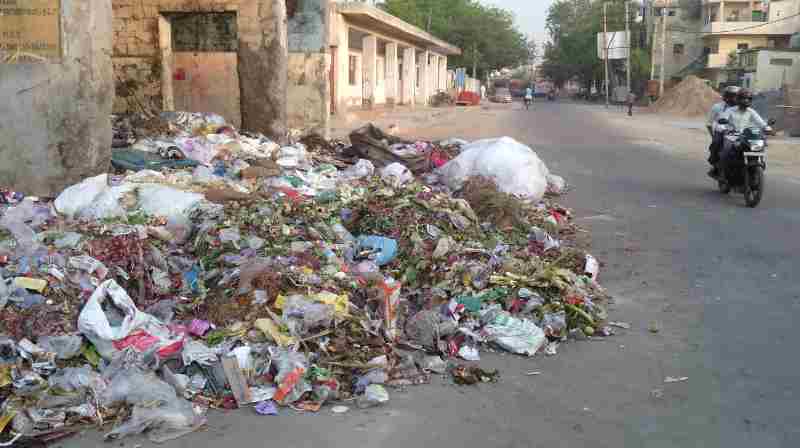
x: 754, y: 185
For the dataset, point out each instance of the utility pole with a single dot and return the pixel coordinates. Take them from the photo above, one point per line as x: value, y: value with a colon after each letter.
x: 605, y: 47
x: 628, y: 39
x: 664, y: 15
x: 650, y: 11
x: 475, y: 60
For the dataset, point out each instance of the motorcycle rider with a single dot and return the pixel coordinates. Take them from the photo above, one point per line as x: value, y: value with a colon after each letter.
x: 742, y: 117
x: 728, y: 101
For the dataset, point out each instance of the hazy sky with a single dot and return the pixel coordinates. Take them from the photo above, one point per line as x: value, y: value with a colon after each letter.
x: 530, y: 14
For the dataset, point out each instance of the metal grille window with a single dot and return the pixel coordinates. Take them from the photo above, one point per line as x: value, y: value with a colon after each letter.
x: 204, y: 32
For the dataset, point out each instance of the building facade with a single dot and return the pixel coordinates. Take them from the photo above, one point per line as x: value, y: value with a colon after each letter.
x: 223, y: 56
x: 731, y: 27
x: 378, y: 59
x: 766, y: 69
x: 683, y: 49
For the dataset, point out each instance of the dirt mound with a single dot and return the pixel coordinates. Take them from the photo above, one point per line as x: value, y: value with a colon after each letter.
x: 690, y: 98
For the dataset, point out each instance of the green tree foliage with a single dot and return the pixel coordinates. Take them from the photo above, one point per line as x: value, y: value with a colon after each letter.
x: 572, y: 51
x: 486, y: 35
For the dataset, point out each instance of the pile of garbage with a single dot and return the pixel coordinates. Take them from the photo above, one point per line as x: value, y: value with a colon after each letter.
x: 219, y: 269
x: 692, y: 97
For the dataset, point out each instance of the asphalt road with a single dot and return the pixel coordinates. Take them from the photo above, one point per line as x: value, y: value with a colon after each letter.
x: 717, y: 279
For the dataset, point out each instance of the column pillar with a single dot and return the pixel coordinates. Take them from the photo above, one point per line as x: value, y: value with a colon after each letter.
x: 409, y: 75
x: 342, y: 79
x: 443, y: 72
x: 722, y: 11
x: 424, y: 78
x: 391, y: 74
x: 369, y: 61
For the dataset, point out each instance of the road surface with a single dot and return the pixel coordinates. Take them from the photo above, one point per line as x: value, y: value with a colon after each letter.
x: 717, y: 278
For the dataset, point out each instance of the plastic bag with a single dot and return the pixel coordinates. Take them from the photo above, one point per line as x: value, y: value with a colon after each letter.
x: 5, y: 292
x: 14, y: 220
x: 73, y: 379
x: 362, y: 168
x: 555, y: 324
x: 167, y: 202
x: 204, y: 175
x: 301, y: 315
x: 384, y: 250
x: 396, y: 175
x: 65, y: 347
x: 79, y: 196
x: 163, y: 422
x: 519, y: 336
x: 375, y: 395
x: 515, y: 168
x: 555, y: 184
x: 109, y: 337
x: 291, y: 380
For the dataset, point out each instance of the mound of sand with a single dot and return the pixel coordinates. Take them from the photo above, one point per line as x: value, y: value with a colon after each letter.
x: 690, y: 98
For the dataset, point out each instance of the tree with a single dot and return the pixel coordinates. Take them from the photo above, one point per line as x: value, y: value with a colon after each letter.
x: 487, y: 35
x: 573, y: 26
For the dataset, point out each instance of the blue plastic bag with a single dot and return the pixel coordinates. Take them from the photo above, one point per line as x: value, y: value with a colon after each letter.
x: 385, y: 249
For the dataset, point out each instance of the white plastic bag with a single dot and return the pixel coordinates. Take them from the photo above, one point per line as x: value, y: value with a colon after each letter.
x: 168, y: 202
x: 514, y: 167
x: 96, y: 326
x: 79, y: 196
x: 93, y: 199
x: 396, y: 175
x: 519, y: 336
x: 362, y: 168
x: 556, y: 184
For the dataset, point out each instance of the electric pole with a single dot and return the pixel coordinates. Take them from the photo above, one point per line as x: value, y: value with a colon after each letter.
x: 605, y: 47
x: 664, y: 15
x: 650, y: 11
x: 628, y: 39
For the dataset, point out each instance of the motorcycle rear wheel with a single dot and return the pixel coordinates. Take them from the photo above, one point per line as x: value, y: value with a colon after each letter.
x: 724, y: 187
x: 754, y: 186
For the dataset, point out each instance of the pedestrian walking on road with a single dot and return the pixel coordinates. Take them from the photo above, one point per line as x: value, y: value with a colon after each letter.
x: 630, y: 100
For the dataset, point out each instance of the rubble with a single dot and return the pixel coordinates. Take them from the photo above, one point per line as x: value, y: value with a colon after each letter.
x: 265, y: 276
x: 692, y: 97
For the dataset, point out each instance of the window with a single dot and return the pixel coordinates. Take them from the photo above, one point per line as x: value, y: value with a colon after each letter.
x: 781, y: 61
x: 352, y: 67
x: 204, y: 32
x: 677, y: 49
x: 742, y: 46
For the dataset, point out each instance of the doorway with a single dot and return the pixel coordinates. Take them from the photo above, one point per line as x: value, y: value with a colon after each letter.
x: 202, y: 63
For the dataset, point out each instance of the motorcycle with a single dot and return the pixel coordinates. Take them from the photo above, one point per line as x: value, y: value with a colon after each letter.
x: 743, y: 162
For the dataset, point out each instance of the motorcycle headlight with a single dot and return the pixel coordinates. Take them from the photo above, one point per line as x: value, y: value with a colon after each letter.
x: 756, y: 145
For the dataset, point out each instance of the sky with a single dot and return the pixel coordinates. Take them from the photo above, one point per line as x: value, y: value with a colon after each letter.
x: 530, y: 15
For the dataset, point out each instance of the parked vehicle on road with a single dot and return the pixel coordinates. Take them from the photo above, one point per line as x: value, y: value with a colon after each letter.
x: 502, y: 95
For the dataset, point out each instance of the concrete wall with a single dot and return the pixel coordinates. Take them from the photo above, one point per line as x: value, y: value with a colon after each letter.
x: 141, y: 71
x: 55, y: 124
x: 770, y: 76
x: 309, y: 65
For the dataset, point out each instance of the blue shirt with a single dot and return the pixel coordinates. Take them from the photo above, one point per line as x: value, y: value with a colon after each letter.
x: 528, y: 92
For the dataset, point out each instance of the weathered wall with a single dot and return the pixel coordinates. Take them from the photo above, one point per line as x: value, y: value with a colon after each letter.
x: 55, y: 124
x: 262, y: 52
x: 309, y: 66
